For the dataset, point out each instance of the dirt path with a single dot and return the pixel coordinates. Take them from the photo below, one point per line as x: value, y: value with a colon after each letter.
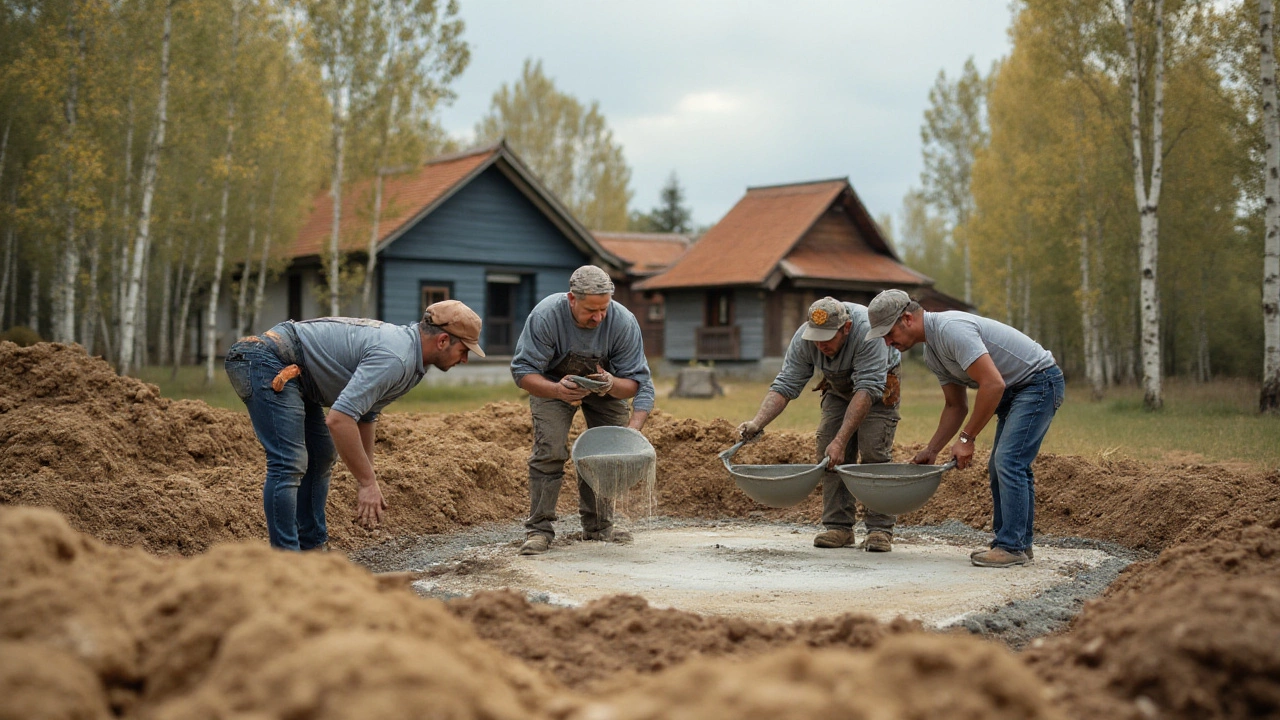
x: 89, y: 628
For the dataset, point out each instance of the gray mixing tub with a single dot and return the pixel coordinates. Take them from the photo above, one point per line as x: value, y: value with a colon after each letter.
x: 777, y: 486
x: 611, y: 460
x: 893, y: 488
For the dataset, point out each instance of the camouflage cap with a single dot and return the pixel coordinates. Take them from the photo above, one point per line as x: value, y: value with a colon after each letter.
x: 590, y: 280
x: 884, y: 311
x: 826, y: 317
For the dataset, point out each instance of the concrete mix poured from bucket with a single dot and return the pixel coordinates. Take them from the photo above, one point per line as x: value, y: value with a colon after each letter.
x: 764, y: 572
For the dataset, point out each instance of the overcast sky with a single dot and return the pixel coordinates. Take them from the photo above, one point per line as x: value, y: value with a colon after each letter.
x: 737, y: 93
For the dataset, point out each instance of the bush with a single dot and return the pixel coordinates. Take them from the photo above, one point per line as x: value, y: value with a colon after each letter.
x: 22, y: 335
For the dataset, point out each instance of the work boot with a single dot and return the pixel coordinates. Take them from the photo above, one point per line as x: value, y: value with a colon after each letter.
x: 837, y: 538
x: 1031, y: 554
x: 535, y: 544
x: 609, y: 534
x: 998, y: 557
x: 878, y: 541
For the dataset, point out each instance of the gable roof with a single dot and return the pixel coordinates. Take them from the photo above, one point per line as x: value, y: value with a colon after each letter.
x: 759, y: 242
x: 410, y: 196
x: 648, y: 253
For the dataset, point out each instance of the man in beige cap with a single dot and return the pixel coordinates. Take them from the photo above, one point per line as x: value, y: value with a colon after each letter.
x: 353, y: 366
x: 579, y: 333
x: 1016, y: 380
x: 859, y: 410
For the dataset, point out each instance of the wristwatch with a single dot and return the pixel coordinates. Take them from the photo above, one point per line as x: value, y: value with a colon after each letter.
x: 965, y: 437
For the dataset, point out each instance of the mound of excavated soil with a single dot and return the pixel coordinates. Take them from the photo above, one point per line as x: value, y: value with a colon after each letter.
x: 93, y: 631
x: 621, y: 635
x: 89, y: 629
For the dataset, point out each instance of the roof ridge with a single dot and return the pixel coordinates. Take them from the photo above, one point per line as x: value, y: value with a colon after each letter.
x: 469, y: 152
x: 648, y: 236
x: 844, y: 179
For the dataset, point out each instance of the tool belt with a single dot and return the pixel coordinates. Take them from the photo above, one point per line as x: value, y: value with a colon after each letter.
x: 892, y: 387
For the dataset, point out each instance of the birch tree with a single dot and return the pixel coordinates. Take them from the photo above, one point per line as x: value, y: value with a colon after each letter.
x: 150, y: 175
x: 1269, y: 400
x: 954, y: 131
x: 1148, y: 198
x: 569, y: 146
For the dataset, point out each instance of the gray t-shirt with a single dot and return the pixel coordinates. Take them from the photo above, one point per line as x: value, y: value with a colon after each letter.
x: 550, y: 335
x: 359, y: 366
x: 954, y: 340
x: 865, y: 362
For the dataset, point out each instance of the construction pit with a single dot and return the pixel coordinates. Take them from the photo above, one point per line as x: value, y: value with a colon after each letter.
x: 135, y: 581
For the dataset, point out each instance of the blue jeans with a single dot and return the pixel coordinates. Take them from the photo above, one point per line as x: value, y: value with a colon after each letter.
x: 1024, y: 415
x: 300, y: 452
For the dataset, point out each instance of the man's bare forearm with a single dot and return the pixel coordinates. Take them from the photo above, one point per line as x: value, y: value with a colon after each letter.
x: 857, y: 411
x: 771, y: 407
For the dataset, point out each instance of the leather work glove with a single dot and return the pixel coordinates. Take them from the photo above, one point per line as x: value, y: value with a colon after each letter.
x: 749, y: 430
x: 602, y: 375
x: 892, y: 391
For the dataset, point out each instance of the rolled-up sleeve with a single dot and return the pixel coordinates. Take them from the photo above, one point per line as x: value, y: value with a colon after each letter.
x: 797, y: 368
x: 629, y: 362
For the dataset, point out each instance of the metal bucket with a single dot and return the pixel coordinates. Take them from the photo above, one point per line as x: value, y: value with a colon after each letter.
x: 611, y: 460
x: 893, y: 488
x: 777, y: 486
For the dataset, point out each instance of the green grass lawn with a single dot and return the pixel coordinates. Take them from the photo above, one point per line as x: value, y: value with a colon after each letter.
x: 1213, y: 422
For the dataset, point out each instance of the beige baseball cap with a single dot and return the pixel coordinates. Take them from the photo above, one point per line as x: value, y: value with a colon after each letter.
x: 458, y: 320
x: 826, y: 317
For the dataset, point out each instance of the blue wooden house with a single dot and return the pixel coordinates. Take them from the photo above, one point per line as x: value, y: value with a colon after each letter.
x: 476, y: 226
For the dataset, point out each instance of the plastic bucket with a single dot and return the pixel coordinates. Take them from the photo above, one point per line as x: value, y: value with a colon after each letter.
x: 611, y: 460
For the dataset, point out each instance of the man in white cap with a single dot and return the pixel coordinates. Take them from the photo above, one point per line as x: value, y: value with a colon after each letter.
x: 355, y: 367
x: 579, y: 333
x: 860, y: 392
x: 1017, y: 381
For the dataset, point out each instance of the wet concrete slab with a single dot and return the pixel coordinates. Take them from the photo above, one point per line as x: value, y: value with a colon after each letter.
x: 764, y: 572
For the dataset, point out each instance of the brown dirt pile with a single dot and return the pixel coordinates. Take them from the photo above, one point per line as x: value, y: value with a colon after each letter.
x: 241, y: 631
x: 1193, y: 634
x: 92, y: 631
x: 911, y: 676
x: 616, y: 637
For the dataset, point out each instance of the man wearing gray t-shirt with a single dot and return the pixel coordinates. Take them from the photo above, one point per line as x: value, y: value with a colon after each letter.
x: 860, y: 394
x: 1017, y: 381
x: 355, y: 367
x: 581, y: 333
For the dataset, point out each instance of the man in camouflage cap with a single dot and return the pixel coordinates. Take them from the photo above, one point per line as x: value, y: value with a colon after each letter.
x: 860, y: 391
x: 579, y: 333
x: 1017, y: 381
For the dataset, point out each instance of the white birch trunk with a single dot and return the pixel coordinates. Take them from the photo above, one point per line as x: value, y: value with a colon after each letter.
x: 220, y: 252
x: 64, y: 315
x: 1269, y: 399
x: 1148, y: 200
x: 140, y: 354
x: 122, y: 288
x: 1088, y: 319
x: 181, y: 322
x: 150, y: 171
x: 339, y: 142
x: 242, y: 301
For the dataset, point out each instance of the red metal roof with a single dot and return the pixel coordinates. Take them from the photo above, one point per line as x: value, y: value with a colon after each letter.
x: 648, y: 253
x: 404, y: 197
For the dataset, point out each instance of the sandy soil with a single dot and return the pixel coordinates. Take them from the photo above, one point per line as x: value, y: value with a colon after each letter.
x: 101, y: 614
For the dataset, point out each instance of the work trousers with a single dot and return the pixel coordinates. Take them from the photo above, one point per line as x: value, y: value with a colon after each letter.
x: 551, y: 421
x: 872, y: 443
x: 1024, y: 414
